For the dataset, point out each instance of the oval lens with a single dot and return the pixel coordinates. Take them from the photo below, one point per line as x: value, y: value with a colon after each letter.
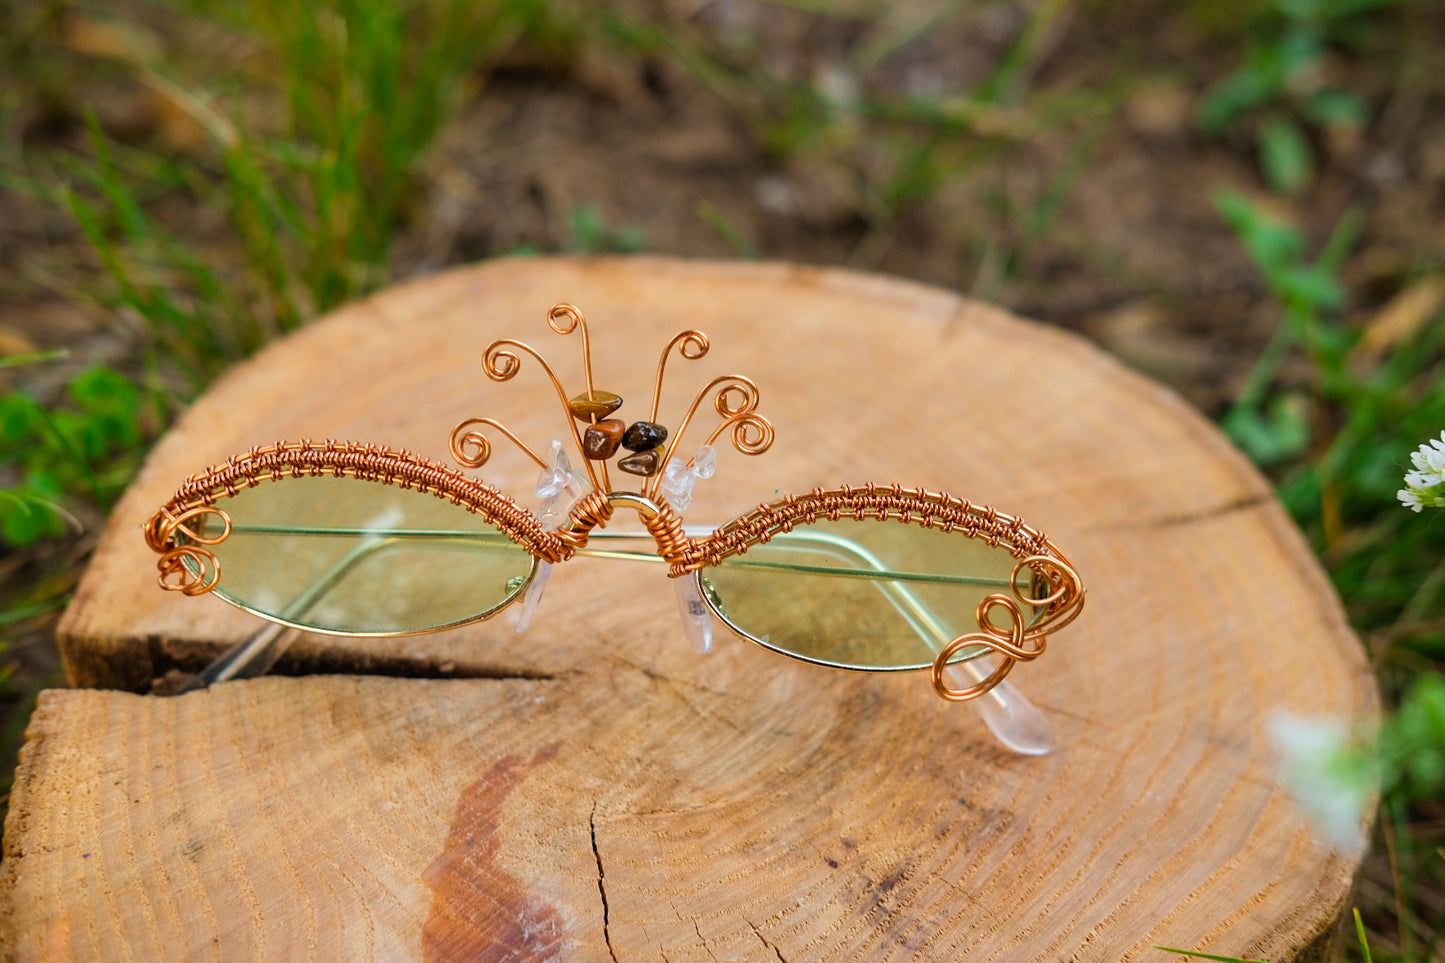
x: 861, y: 594
x: 346, y: 555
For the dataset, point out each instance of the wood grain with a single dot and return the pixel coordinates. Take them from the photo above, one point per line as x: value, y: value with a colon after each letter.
x: 594, y: 791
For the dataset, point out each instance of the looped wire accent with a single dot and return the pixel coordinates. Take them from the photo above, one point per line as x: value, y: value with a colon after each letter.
x: 564, y: 319
x: 692, y: 345
x: 175, y: 575
x: 737, y: 401
x: 502, y: 364
x: 1016, y: 643
x: 1009, y: 642
x: 752, y: 433
x: 471, y: 449
x: 195, y: 579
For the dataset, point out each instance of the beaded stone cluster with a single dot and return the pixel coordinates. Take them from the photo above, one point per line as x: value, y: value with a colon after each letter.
x: 604, y: 435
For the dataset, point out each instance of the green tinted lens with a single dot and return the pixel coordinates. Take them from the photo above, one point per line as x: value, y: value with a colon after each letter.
x: 861, y: 594
x: 362, y: 557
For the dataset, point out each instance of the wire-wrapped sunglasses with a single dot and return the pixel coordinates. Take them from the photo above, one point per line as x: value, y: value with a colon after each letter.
x: 353, y: 539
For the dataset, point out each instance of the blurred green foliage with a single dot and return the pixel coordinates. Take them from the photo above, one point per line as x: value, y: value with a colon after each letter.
x: 89, y: 443
x: 1281, y: 85
x: 314, y: 201
x: 1339, y: 438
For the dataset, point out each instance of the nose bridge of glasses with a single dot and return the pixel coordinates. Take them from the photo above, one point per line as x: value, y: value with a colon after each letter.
x: 660, y: 519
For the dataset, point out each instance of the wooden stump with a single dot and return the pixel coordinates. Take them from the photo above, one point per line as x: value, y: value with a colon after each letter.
x: 593, y: 790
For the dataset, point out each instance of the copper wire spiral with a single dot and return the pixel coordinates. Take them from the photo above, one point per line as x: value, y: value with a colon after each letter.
x: 692, y: 345
x: 471, y: 449
x: 190, y: 567
x: 737, y: 402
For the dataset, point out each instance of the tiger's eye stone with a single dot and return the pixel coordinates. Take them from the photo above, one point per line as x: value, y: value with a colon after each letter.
x: 643, y: 435
x: 601, y: 404
x: 645, y: 463
x: 601, y: 441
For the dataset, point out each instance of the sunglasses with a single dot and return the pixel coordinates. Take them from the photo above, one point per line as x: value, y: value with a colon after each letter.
x: 363, y: 540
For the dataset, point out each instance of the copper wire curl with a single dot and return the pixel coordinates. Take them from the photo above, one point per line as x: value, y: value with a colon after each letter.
x: 471, y: 449
x: 744, y: 410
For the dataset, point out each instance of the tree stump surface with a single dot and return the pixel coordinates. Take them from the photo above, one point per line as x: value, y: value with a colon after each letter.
x: 593, y: 790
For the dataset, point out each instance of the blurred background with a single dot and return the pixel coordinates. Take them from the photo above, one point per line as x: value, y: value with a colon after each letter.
x: 1242, y: 198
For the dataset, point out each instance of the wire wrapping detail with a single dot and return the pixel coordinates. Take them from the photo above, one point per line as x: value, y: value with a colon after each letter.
x: 342, y: 459
x: 592, y: 511
x: 915, y: 505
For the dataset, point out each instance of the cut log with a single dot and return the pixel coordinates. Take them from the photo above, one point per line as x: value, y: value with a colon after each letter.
x: 593, y: 790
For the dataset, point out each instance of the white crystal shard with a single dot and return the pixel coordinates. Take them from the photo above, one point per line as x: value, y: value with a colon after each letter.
x: 704, y: 460
x: 677, y: 482
x: 552, y: 480
x: 696, y: 616
x: 678, y: 478
x: 560, y: 488
x: 533, y: 598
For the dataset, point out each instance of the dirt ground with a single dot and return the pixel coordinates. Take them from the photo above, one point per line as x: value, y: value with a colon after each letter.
x: 1083, y: 198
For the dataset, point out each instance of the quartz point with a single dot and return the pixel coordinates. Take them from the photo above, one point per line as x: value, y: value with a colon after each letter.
x: 696, y: 616
x: 533, y: 598
x: 1010, y: 716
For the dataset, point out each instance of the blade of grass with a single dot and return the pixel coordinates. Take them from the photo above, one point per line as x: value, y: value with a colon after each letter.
x: 1208, y: 956
x: 1360, y: 934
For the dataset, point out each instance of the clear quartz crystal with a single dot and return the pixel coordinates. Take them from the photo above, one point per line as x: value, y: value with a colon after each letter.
x: 1010, y: 716
x: 533, y: 598
x: 560, y: 488
x: 696, y: 616
x: 704, y: 460
x: 679, y: 478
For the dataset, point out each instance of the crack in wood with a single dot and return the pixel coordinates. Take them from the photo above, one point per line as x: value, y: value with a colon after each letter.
x: 601, y: 885
x: 1209, y: 513
x: 759, y: 934
x: 698, y: 930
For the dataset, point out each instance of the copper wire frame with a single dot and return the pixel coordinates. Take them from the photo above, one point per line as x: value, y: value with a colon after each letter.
x: 1053, y: 596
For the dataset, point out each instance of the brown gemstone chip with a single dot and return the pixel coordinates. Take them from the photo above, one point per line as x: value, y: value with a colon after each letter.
x: 643, y: 435
x: 600, y: 405
x: 645, y: 463
x: 601, y: 441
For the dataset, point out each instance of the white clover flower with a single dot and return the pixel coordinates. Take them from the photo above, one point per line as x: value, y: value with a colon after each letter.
x: 1425, y: 485
x: 1429, y: 458
x: 1330, y: 783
